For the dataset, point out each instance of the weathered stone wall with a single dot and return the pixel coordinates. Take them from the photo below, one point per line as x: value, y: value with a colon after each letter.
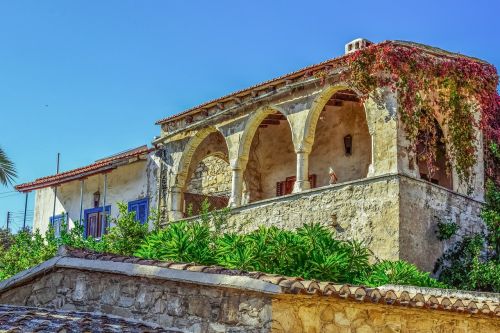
x: 366, y: 210
x: 190, y: 307
x: 212, y: 176
x: 302, y: 314
x: 422, y: 206
x: 193, y: 307
x: 394, y: 216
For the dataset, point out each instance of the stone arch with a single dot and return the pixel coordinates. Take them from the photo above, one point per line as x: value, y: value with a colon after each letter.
x: 445, y: 178
x: 266, y: 154
x: 342, y: 141
x: 181, y: 172
x: 315, y: 111
x: 249, y: 131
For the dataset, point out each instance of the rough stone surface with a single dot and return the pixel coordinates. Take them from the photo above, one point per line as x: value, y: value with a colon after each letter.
x: 194, y: 308
x: 300, y: 314
x: 395, y: 216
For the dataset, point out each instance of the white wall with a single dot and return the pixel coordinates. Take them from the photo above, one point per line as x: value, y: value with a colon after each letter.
x: 126, y: 183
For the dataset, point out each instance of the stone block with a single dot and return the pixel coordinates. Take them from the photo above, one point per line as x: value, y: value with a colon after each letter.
x: 175, y: 306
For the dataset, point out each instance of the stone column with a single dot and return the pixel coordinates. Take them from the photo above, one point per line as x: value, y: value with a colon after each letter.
x: 175, y: 203
x: 236, y: 187
x: 302, y: 178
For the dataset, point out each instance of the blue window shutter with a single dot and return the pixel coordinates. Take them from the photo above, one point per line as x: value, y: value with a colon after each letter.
x: 140, y: 207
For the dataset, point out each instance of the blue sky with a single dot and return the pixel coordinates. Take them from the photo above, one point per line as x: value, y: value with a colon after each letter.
x: 90, y: 78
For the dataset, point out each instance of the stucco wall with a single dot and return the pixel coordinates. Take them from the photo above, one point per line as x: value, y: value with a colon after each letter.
x: 328, y: 149
x: 126, y: 183
x: 303, y: 314
x: 272, y: 160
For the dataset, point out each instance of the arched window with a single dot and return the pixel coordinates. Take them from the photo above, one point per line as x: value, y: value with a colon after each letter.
x: 433, y: 166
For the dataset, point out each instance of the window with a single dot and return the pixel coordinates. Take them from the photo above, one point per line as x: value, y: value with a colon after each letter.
x: 140, y: 207
x: 94, y: 219
x: 56, y: 223
x: 286, y: 187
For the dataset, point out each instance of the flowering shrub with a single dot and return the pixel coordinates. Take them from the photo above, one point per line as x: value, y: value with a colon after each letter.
x: 428, y: 85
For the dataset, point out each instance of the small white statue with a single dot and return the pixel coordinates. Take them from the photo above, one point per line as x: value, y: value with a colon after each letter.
x: 333, y: 176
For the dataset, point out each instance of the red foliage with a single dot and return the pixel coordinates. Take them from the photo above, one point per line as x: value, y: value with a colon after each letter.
x: 428, y: 84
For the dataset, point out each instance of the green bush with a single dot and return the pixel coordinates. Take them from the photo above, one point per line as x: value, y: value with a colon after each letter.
x: 311, y: 252
x: 446, y: 230
x: 473, y: 262
x: 27, y: 250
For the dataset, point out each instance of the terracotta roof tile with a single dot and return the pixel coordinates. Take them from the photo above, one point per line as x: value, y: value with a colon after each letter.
x: 295, y: 285
x: 27, y: 319
x: 307, y: 71
x: 91, y: 169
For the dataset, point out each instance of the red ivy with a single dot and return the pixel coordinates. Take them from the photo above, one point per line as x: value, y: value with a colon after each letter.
x: 426, y: 82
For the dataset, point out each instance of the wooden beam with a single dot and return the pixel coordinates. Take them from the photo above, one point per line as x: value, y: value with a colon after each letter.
x: 270, y: 122
x: 277, y: 116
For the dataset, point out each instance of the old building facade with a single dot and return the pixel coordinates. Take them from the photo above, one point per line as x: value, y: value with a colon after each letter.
x: 305, y: 148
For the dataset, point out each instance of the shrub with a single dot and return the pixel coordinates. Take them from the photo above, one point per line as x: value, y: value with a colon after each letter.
x: 446, y: 230
x: 127, y: 233
x: 27, y: 250
x: 398, y: 272
x: 473, y: 263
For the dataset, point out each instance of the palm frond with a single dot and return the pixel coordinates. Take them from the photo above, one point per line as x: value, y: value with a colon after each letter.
x: 7, y: 169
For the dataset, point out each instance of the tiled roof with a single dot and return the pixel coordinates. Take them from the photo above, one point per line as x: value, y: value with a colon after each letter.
x: 28, y: 319
x: 429, y: 298
x: 305, y: 72
x: 98, y: 166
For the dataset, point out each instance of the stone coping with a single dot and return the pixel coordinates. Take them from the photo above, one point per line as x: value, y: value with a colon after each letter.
x: 270, y: 284
x: 29, y: 319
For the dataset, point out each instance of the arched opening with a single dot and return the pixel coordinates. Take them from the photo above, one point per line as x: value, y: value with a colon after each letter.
x: 342, y: 142
x: 270, y: 170
x: 208, y: 176
x: 434, y: 165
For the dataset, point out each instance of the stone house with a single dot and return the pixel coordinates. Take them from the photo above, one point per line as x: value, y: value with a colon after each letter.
x: 300, y: 148
x: 129, y: 177
x: 304, y: 148
x: 109, y: 293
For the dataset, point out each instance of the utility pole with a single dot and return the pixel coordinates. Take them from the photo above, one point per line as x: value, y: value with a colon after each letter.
x: 8, y: 218
x: 25, y: 210
x: 55, y: 191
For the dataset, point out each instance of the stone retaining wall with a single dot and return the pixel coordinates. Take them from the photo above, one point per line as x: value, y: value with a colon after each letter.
x: 395, y: 216
x: 191, y: 307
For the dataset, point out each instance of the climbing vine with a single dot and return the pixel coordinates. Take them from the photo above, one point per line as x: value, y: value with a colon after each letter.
x: 433, y: 85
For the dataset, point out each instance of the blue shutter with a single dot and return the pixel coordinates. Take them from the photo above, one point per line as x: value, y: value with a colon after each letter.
x: 140, y: 207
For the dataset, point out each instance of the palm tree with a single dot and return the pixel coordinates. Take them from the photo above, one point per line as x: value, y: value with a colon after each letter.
x: 7, y: 169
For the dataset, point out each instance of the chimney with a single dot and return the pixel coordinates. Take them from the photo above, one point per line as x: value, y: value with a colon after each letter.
x: 357, y: 44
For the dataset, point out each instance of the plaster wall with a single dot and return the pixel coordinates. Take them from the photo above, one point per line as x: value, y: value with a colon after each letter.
x: 125, y: 183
